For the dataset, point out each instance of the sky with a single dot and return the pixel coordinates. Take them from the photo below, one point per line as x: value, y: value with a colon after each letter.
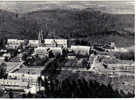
x: 115, y: 7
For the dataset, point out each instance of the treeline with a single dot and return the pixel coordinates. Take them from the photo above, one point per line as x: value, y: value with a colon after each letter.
x: 79, y: 88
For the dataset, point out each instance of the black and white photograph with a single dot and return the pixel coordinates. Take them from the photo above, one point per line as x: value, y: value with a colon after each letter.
x: 67, y: 49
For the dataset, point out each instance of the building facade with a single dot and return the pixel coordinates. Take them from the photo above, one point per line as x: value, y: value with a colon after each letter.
x: 14, y: 43
x: 55, y: 43
x: 81, y: 50
x: 33, y: 43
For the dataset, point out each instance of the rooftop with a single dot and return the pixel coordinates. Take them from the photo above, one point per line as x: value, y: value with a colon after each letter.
x: 11, y: 65
x: 58, y: 41
x: 32, y: 70
x: 117, y: 61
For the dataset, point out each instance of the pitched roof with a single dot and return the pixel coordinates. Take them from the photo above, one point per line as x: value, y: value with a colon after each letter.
x: 11, y: 65
x: 36, y: 70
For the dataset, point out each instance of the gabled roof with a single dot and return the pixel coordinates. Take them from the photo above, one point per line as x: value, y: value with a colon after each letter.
x: 36, y: 70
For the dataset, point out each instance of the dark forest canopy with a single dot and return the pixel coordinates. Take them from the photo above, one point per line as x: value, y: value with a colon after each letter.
x: 78, y: 88
x: 59, y: 23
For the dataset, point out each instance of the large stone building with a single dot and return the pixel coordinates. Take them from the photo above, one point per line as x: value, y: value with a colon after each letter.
x: 14, y: 43
x: 41, y: 51
x: 24, y: 79
x: 81, y: 50
x: 46, y: 50
x: 33, y: 43
x: 9, y: 84
x: 55, y: 43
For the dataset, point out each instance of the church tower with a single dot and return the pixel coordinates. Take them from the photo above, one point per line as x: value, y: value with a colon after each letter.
x: 40, y: 38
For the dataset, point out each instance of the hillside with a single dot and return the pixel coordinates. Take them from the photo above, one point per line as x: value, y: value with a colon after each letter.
x: 86, y: 24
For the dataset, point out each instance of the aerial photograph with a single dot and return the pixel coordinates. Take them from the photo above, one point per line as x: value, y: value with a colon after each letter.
x: 67, y: 49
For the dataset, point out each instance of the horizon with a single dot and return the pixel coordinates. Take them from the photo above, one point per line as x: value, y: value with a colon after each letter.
x: 113, y: 7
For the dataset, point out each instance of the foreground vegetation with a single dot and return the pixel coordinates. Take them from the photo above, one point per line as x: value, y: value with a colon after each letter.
x: 79, y: 88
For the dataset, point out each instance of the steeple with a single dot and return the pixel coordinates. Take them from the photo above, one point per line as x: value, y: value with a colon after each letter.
x: 40, y: 38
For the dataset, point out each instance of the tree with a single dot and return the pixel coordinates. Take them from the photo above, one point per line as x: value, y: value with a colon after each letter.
x: 64, y: 52
x: 29, y: 95
x: 51, y: 54
x: 1, y: 92
x: 3, y: 68
x: 39, y: 82
x: 26, y: 42
x: 3, y: 42
x: 84, y: 63
x: 11, y: 95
